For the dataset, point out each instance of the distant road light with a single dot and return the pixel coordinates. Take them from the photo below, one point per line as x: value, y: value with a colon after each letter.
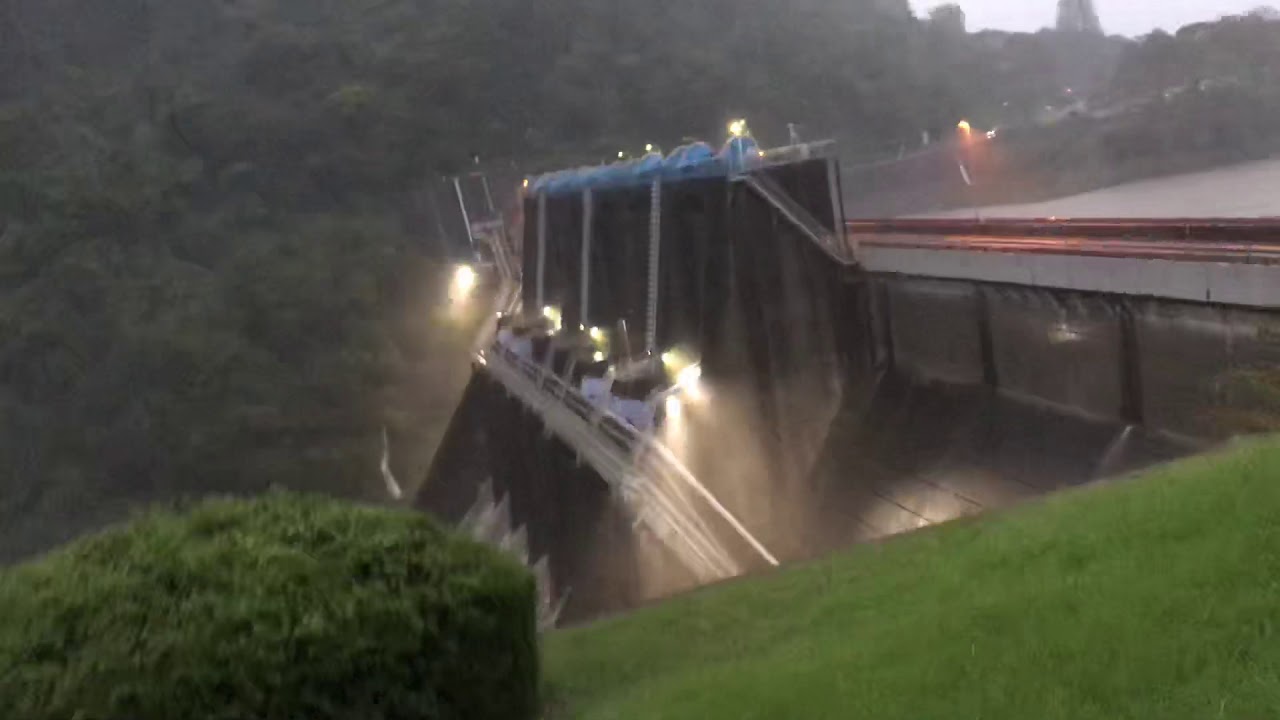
x: 964, y: 127
x: 738, y: 128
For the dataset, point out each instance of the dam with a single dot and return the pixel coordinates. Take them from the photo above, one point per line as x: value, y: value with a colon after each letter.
x: 856, y: 380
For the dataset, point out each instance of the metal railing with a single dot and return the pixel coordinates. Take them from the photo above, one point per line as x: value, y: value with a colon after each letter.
x: 1249, y: 241
x: 620, y: 433
x: 1221, y: 230
x: 804, y: 221
x: 653, y: 484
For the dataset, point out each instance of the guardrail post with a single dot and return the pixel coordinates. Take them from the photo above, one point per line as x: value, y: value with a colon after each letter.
x: 655, y: 247
x: 542, y: 254
x: 1132, y: 403
x: 884, y: 307
x: 466, y: 219
x: 588, y: 213
x: 838, y: 233
x: 986, y: 339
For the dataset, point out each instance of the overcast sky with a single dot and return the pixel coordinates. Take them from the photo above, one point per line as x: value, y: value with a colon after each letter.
x: 1124, y: 17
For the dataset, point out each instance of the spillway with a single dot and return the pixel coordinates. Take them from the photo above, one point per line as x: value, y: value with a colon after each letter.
x: 836, y: 405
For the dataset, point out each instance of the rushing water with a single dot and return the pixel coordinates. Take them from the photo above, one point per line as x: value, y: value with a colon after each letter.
x: 842, y: 409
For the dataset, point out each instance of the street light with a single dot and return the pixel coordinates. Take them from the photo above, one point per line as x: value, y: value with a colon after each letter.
x: 674, y: 408
x: 689, y: 375
x: 553, y: 315
x: 738, y: 128
x: 464, y: 280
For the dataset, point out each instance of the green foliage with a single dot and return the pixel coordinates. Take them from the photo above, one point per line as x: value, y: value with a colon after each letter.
x: 277, y: 83
x: 280, y: 608
x: 1242, y: 51
x: 160, y: 363
x: 1250, y: 402
x: 1149, y: 598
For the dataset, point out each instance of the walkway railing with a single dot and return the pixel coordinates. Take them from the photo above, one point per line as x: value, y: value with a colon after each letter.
x: 1227, y: 240
x: 653, y: 484
x: 825, y: 238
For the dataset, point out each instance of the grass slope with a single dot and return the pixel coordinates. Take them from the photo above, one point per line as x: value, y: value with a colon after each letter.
x: 1157, y: 598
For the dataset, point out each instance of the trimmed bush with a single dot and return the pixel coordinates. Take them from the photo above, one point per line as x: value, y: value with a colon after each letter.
x: 282, y: 608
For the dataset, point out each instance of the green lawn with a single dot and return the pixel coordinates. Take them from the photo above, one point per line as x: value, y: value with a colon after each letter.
x: 1157, y: 598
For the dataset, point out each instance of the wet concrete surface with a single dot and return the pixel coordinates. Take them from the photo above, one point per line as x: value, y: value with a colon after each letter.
x: 905, y: 452
x: 1209, y: 371
x: 900, y: 455
x: 925, y: 453
x: 1245, y: 190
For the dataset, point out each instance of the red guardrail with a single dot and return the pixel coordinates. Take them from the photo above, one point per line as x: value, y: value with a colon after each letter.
x: 1198, y: 229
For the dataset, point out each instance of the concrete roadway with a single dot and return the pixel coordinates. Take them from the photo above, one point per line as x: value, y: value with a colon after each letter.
x: 1238, y: 191
x: 1133, y: 220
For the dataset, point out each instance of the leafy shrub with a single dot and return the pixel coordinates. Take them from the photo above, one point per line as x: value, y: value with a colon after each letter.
x: 286, y: 607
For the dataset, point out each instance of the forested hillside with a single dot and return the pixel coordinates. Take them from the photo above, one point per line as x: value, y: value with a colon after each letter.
x: 217, y: 264
x: 215, y: 271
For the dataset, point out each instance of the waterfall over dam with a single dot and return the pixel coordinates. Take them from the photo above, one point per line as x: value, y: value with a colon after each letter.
x: 837, y: 405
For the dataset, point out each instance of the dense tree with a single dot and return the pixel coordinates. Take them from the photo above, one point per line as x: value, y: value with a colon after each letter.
x: 210, y: 250
x: 211, y: 224
x: 1078, y: 16
x: 948, y: 18
x: 1241, y: 51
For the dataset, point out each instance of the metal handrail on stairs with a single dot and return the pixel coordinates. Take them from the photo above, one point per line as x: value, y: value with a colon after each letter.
x: 826, y: 239
x: 648, y: 480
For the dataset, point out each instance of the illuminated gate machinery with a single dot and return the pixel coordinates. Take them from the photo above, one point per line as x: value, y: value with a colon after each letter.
x: 626, y: 267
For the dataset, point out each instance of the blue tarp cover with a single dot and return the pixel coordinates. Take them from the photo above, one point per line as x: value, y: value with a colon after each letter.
x: 695, y: 160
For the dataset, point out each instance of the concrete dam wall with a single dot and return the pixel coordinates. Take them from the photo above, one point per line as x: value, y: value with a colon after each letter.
x: 839, y: 406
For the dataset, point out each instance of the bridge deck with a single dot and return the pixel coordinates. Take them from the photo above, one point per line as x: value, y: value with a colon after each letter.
x: 1232, y: 262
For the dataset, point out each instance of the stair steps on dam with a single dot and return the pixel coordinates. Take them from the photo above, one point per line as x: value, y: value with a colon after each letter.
x: 489, y: 521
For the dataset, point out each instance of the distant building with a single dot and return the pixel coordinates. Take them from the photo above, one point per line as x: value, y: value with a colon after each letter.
x: 995, y: 39
x: 1078, y: 16
x: 949, y: 18
x: 1265, y: 12
x: 894, y: 8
